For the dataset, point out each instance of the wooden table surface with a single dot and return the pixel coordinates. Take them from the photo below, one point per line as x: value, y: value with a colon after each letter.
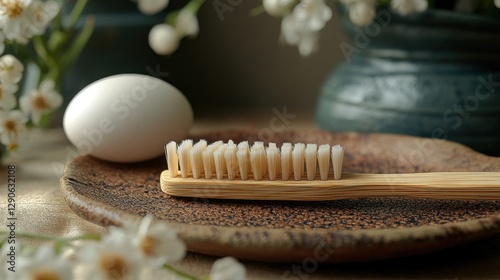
x: 41, y: 209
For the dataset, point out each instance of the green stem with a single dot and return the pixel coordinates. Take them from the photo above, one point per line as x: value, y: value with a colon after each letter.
x: 79, y: 43
x: 87, y: 236
x: 194, y: 5
x: 180, y: 272
x: 76, y: 13
x: 23, y: 53
x: 44, y: 54
x: 172, y: 17
x: 257, y: 11
x: 57, y: 22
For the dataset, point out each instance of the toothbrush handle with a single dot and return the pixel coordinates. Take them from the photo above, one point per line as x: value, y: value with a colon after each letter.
x: 435, y: 185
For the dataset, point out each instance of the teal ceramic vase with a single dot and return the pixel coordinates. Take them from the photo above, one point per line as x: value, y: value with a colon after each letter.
x: 434, y: 74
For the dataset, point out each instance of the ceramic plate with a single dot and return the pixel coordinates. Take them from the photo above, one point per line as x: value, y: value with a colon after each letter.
x: 335, y: 231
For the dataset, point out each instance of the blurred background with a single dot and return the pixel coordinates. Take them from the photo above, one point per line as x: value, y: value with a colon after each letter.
x: 234, y: 63
x: 416, y: 74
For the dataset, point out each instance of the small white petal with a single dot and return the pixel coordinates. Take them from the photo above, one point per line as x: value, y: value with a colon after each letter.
x: 158, y: 243
x: 151, y: 7
x: 361, y: 13
x: 8, y: 101
x: 277, y: 8
x: 406, y: 7
x: 12, y: 19
x: 42, y: 261
x: 25, y: 104
x: 288, y: 30
x: 11, y: 69
x: 54, y: 100
x: 41, y: 101
x: 12, y: 123
x: 163, y: 39
x: 420, y: 5
x: 308, y: 45
x: 227, y: 268
x: 115, y: 247
x: 312, y: 15
x: 47, y: 85
x: 187, y: 24
x: 497, y: 3
x: 36, y: 117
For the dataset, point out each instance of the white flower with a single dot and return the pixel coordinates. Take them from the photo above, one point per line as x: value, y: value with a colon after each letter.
x: 41, y: 101
x: 39, y: 15
x: 43, y: 264
x: 12, y: 16
x: 112, y: 258
x: 7, y: 98
x: 12, y: 123
x: 497, y: 3
x: 405, y: 7
x: 277, y: 8
x: 158, y: 243
x: 19, y: 146
x: 301, y: 27
x: 151, y: 7
x: 294, y: 34
x: 11, y: 69
x: 187, y: 24
x: 163, y: 39
x: 227, y: 268
x: 312, y: 14
x: 362, y: 13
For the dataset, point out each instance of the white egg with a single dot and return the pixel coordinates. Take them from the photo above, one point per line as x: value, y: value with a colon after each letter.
x: 127, y: 118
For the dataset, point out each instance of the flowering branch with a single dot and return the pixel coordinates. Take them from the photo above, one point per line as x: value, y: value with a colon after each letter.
x: 121, y: 254
x: 180, y: 272
x: 23, y: 27
x: 302, y: 20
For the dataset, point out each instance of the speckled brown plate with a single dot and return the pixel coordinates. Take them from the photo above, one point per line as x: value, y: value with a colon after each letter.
x: 336, y: 231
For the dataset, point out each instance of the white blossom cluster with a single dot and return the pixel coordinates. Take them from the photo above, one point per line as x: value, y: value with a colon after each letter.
x: 302, y: 20
x: 122, y: 254
x: 362, y: 12
x: 164, y: 38
x: 20, y: 20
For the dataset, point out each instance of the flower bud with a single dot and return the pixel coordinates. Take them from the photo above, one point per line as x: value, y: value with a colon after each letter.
x: 163, y: 39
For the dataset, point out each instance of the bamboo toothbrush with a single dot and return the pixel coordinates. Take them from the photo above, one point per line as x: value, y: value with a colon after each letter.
x: 256, y: 172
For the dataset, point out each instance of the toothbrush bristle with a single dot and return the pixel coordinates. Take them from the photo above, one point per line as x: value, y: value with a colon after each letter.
x: 172, y: 159
x: 183, y: 154
x: 286, y: 161
x: 298, y: 161
x: 311, y: 154
x: 220, y: 161
x: 337, y: 158
x: 258, y: 161
x: 196, y: 159
x: 231, y: 161
x: 241, y: 160
x: 273, y: 161
x: 324, y: 161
